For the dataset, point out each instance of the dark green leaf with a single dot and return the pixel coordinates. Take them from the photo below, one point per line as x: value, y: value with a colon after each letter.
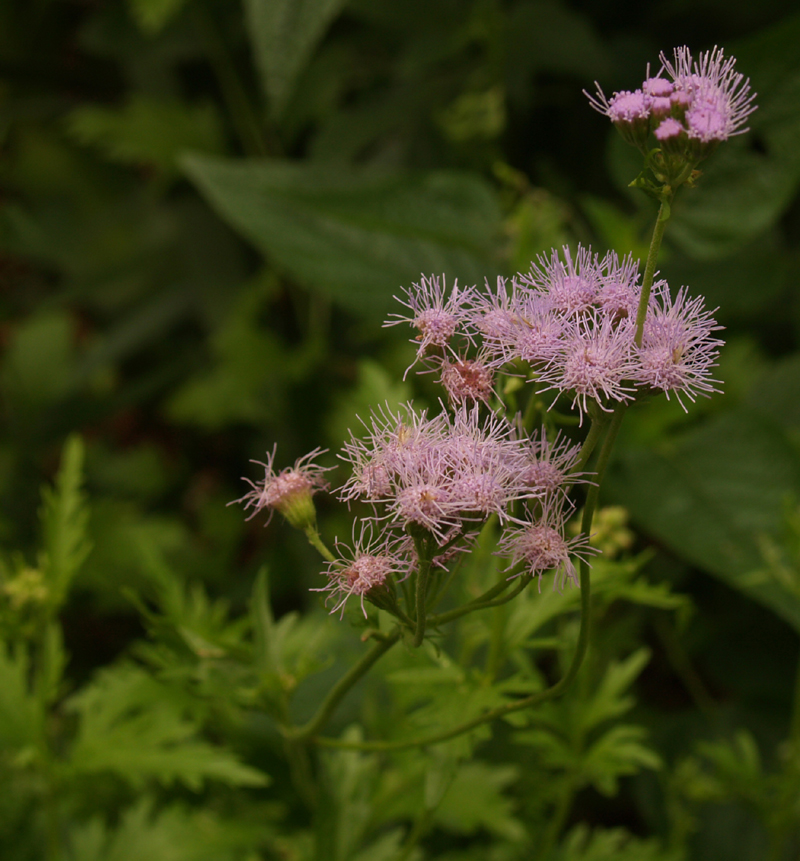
x: 356, y: 235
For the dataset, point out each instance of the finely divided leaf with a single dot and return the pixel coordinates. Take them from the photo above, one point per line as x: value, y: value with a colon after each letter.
x: 131, y: 725
x: 65, y: 517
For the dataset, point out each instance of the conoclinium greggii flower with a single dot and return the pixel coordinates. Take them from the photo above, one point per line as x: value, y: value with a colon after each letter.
x: 705, y: 102
x: 288, y: 491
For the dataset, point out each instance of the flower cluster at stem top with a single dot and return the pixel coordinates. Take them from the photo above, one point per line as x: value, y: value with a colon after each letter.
x: 701, y: 103
x: 577, y: 326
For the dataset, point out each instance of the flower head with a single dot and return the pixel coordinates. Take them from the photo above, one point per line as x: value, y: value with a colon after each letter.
x: 435, y: 315
x: 719, y: 98
x: 541, y: 546
x: 367, y: 569
x: 288, y: 491
x: 678, y: 349
x: 705, y: 102
x: 571, y: 286
x: 593, y: 362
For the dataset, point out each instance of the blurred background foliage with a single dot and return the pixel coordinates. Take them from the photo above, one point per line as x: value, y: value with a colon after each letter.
x: 207, y: 206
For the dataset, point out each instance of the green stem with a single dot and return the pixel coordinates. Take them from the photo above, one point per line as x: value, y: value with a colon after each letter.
x: 314, y: 539
x: 650, y: 266
x: 556, y: 822
x: 338, y: 691
x: 488, y: 599
x: 592, y: 438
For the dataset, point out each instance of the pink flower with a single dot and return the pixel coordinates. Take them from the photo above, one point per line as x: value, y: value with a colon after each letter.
x: 288, y: 491
x: 435, y: 315
x: 541, y: 546
x: 678, y: 350
x: 593, y: 362
x: 366, y: 568
x: 720, y: 97
x: 571, y: 286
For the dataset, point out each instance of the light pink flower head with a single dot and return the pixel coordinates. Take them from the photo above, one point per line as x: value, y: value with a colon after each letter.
x: 436, y: 314
x: 678, y: 348
x: 288, y: 491
x: 720, y: 100
x: 370, y: 565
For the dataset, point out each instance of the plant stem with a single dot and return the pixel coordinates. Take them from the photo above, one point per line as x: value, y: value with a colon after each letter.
x: 488, y: 599
x: 421, y: 595
x: 314, y: 539
x: 338, y: 691
x: 650, y: 266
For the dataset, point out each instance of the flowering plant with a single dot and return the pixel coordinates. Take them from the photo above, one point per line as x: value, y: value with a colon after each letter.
x: 594, y: 334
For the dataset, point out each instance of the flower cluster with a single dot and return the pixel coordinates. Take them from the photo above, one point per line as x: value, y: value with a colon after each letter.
x: 573, y: 320
x: 576, y: 324
x: 446, y: 473
x: 703, y: 102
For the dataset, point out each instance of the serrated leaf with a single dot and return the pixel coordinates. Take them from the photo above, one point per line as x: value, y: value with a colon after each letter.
x: 617, y: 753
x: 171, y: 834
x: 356, y: 235
x: 611, y: 698
x: 21, y: 714
x: 129, y: 725
x: 476, y: 800
x: 616, y: 844
x: 65, y: 516
x: 283, y: 35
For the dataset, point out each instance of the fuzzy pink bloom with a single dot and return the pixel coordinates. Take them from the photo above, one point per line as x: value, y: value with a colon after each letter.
x: 678, y: 349
x: 551, y: 464
x: 468, y: 381
x: 365, y: 567
x: 620, y: 289
x: 288, y: 491
x: 593, y: 362
x: 720, y: 100
x: 438, y: 473
x: 571, y: 286
x: 436, y: 314
x: 541, y: 546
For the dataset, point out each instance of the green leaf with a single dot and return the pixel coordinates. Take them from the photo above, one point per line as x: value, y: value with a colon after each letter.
x: 347, y: 782
x: 147, y: 131
x: 153, y: 15
x: 476, y: 800
x: 617, y: 753
x: 356, y: 235
x: 21, y: 714
x: 710, y: 497
x: 611, y: 698
x: 65, y: 516
x: 171, y: 834
x: 616, y: 844
x: 130, y: 725
x: 283, y: 35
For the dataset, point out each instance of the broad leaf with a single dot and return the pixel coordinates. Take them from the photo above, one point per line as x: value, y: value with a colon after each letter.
x: 356, y: 235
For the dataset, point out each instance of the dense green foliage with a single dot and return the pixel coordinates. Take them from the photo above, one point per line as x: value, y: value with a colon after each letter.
x: 206, y: 210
